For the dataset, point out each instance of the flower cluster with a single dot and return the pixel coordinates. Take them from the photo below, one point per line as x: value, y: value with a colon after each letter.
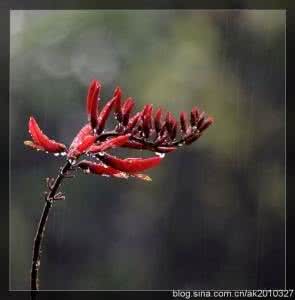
x: 157, y: 131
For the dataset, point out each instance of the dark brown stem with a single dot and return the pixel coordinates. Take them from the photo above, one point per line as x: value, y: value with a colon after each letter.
x: 41, y: 227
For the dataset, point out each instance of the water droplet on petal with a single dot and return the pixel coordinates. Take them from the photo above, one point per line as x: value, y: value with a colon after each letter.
x: 101, y: 153
x: 72, y: 161
x: 162, y: 155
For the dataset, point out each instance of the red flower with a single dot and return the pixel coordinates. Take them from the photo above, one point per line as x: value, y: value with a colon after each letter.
x: 144, y: 130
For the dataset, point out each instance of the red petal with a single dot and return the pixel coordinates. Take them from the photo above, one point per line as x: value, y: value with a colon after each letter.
x: 118, y: 111
x: 133, y: 121
x: 170, y: 123
x: 183, y: 121
x: 147, y: 120
x: 147, y: 109
x: 130, y: 165
x: 111, y: 143
x: 158, y: 123
x: 206, y: 124
x: 126, y: 109
x: 174, y: 131
x: 93, y: 101
x: 104, y: 114
x: 85, y: 131
x: 86, y: 143
x: 42, y: 140
x: 201, y: 120
x: 93, y: 89
x: 194, y: 116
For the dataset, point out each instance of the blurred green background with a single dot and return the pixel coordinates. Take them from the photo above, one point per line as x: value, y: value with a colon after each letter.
x: 214, y: 215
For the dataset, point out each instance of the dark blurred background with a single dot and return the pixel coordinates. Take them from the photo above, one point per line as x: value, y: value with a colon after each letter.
x: 214, y: 215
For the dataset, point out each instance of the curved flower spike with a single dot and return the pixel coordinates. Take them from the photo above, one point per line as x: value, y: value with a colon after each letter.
x: 41, y: 141
x: 130, y: 165
x: 144, y: 130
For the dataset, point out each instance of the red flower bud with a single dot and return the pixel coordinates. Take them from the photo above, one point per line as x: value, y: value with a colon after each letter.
x: 102, y: 118
x: 174, y: 130
x: 157, y: 121
x: 111, y: 143
x: 92, y: 102
x: 41, y: 141
x: 94, y: 86
x: 194, y: 116
x: 183, y: 122
x: 147, y: 119
x: 147, y: 124
x: 171, y: 123
x: 201, y: 120
x: 206, y: 124
x: 133, y: 121
x: 130, y: 165
x: 118, y: 110
x: 126, y: 110
x: 100, y: 169
x: 85, y: 131
x: 147, y: 109
x: 85, y: 144
x: 191, y: 138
